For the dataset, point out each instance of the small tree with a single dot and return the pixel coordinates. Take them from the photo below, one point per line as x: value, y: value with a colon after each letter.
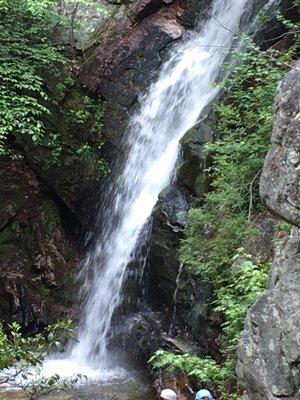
x: 21, y: 358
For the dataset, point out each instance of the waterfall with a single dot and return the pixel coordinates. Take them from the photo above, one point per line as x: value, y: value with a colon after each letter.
x: 167, y: 111
x: 171, y: 106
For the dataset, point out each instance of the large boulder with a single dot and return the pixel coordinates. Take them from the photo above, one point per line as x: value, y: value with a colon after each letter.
x: 280, y: 179
x: 169, y: 220
x: 269, y: 351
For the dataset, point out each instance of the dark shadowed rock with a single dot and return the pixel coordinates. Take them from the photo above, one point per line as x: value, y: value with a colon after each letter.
x: 191, y: 171
x: 36, y: 257
x: 126, y: 55
x: 280, y: 179
x: 169, y: 220
x: 179, y: 382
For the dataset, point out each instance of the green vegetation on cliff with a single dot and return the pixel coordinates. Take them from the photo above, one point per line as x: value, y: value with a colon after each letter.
x: 25, y: 51
x: 36, y: 80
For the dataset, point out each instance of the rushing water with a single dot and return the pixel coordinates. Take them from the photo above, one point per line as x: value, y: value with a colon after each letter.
x: 169, y: 109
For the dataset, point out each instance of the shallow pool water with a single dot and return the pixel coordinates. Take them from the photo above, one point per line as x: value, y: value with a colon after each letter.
x: 118, y: 384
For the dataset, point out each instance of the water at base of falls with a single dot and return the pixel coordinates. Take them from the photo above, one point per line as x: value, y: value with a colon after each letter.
x: 129, y: 384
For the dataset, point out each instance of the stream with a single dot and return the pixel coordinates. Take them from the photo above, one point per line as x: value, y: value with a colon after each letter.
x: 135, y: 387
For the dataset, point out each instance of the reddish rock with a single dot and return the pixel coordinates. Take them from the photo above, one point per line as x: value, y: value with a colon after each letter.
x: 127, y: 50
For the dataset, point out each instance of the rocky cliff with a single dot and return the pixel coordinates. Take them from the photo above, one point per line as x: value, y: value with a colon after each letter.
x: 269, y: 349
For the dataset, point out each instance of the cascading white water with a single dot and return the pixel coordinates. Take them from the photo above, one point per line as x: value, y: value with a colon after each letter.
x: 169, y: 109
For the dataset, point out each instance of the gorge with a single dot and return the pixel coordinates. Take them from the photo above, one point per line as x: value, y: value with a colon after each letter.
x: 157, y: 66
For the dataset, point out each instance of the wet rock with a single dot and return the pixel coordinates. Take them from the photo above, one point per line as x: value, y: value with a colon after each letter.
x: 191, y: 171
x: 169, y: 220
x: 36, y: 257
x: 194, y: 311
x: 15, y: 301
x: 193, y: 294
x: 280, y: 179
x: 269, y: 351
x: 178, y: 382
x: 144, y: 335
x: 126, y: 55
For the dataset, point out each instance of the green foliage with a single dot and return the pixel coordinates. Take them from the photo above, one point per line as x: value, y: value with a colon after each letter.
x: 27, y: 56
x: 233, y: 300
x: 92, y: 110
x: 85, y: 115
x: 25, y: 50
x: 204, y: 370
x: 15, y: 348
x: 293, y: 27
x: 21, y: 358
x: 284, y: 226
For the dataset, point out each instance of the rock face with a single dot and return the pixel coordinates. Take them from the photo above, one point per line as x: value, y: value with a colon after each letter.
x: 125, y: 57
x: 84, y: 20
x: 36, y: 256
x: 269, y: 348
x: 280, y: 180
x: 128, y: 50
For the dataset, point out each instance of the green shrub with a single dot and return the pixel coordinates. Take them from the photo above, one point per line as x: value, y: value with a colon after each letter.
x: 25, y: 51
x: 21, y: 358
x: 233, y: 301
x: 203, y: 370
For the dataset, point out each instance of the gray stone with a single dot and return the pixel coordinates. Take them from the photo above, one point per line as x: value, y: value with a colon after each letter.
x: 280, y: 179
x: 269, y: 348
x: 83, y: 19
